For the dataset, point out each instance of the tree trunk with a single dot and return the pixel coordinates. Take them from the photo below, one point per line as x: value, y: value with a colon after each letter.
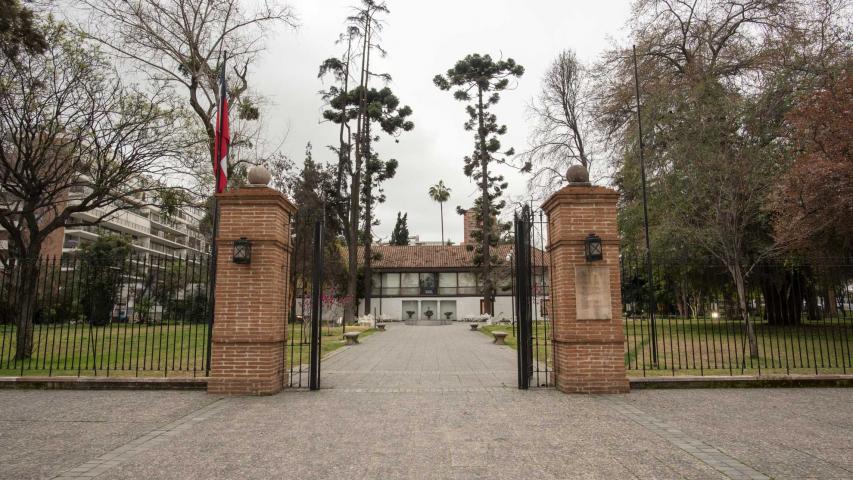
x: 441, y: 209
x: 343, y: 152
x: 811, y: 303
x: 368, y: 231
x: 27, y: 298
x: 830, y: 302
x: 737, y: 274
x: 782, y: 297
x: 352, y: 277
x: 355, y: 184
x: 485, y: 209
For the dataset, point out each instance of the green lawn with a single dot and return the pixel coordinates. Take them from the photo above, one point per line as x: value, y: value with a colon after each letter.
x: 134, y: 350
x: 716, y: 347
x: 118, y: 349
x: 331, y: 339
x: 542, y: 347
x: 720, y: 347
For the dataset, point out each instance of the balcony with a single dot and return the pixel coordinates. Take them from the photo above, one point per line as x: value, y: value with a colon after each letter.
x: 171, y: 238
x: 161, y: 222
x: 114, y: 219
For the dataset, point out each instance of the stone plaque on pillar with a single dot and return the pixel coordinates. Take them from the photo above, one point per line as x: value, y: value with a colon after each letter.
x: 592, y: 292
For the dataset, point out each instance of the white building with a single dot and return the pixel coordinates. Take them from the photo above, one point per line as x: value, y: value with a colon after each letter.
x: 432, y: 282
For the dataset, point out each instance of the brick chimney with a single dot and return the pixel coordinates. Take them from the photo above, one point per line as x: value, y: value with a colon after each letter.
x: 470, y: 224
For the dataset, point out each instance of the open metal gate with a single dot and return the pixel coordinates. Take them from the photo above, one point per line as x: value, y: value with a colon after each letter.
x: 532, y: 301
x: 303, y: 345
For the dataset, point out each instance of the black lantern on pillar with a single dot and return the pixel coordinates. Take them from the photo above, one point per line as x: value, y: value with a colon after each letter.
x: 242, y: 251
x: 592, y: 248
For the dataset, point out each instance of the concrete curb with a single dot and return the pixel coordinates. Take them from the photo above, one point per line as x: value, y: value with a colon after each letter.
x: 746, y: 381
x: 104, y: 383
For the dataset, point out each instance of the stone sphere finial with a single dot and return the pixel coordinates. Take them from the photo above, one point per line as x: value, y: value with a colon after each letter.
x: 258, y: 176
x: 577, y: 175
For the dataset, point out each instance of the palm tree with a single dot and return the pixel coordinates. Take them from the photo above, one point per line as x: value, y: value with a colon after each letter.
x: 439, y: 193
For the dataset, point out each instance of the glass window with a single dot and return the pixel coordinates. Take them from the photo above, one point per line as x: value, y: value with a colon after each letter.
x: 467, y: 283
x: 467, y: 279
x: 409, y: 284
x: 447, y: 279
x: 390, y: 283
x: 429, y: 283
x: 391, y: 280
x: 375, y: 285
x: 447, y: 283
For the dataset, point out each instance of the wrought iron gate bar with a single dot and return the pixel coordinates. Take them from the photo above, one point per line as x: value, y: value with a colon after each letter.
x: 530, y: 300
x: 316, y: 306
x: 303, y: 348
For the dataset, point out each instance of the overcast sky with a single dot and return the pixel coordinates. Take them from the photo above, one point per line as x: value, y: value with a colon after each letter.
x: 424, y: 38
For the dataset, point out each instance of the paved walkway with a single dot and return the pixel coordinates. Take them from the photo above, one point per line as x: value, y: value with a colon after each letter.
x: 418, y: 358
x: 397, y: 422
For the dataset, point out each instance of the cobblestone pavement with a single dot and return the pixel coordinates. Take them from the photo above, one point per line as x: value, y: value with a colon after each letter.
x: 427, y: 402
x: 422, y: 358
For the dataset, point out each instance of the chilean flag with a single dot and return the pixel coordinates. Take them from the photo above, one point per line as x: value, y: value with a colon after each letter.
x: 222, y: 139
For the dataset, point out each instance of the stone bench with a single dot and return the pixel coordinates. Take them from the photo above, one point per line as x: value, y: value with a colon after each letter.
x: 351, y: 337
x: 499, y: 337
x: 474, y: 326
x: 380, y: 327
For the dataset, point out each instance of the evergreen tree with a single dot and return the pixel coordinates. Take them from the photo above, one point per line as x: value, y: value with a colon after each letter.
x: 477, y: 80
x: 19, y: 30
x: 309, y: 189
x: 400, y: 235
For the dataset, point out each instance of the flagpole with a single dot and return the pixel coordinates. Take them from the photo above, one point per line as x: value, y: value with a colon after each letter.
x: 214, y: 250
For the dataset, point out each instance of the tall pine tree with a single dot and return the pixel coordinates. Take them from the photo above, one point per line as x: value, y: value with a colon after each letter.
x: 477, y: 80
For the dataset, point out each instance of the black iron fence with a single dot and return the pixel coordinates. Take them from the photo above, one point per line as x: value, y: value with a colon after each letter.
x: 105, y: 314
x: 792, y: 319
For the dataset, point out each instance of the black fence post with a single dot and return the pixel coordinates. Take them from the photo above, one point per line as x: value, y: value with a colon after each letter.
x: 316, y: 306
x: 522, y: 300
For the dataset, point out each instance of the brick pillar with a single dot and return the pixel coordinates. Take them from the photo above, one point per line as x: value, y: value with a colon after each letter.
x: 587, y: 303
x: 250, y: 316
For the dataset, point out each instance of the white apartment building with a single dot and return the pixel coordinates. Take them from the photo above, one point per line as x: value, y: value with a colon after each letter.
x: 150, y: 231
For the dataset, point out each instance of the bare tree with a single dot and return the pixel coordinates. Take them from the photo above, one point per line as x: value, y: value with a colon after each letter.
x: 73, y: 139
x: 563, y: 134
x: 182, y: 43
